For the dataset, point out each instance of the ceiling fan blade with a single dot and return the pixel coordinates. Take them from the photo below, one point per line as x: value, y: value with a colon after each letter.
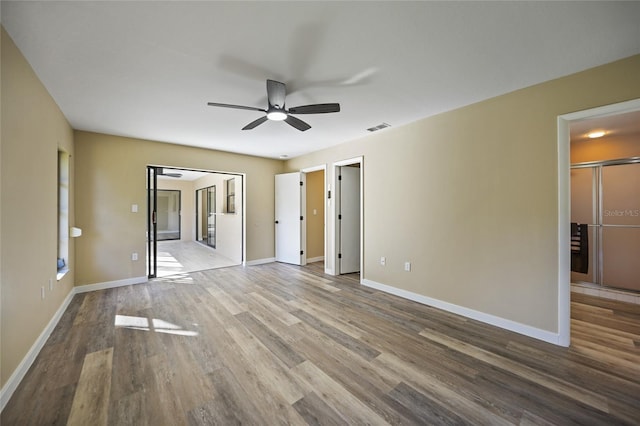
x: 276, y: 93
x: 315, y: 109
x: 215, y: 104
x: 297, y: 123
x: 255, y: 123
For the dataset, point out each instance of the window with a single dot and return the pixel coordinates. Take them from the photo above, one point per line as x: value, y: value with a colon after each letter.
x: 231, y: 195
x: 63, y: 214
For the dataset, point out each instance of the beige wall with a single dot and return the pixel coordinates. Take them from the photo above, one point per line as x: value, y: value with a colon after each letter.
x: 33, y: 129
x: 315, y: 222
x: 228, y: 225
x: 111, y: 176
x: 473, y: 199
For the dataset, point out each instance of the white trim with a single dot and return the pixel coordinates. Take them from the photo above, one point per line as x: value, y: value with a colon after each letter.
x: 18, y: 374
x: 564, y: 207
x: 349, y: 161
x: 110, y: 284
x: 260, y: 261
x: 506, y: 324
x: 564, y: 219
x: 315, y: 259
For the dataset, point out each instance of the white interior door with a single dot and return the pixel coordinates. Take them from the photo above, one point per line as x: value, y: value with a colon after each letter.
x: 349, y: 219
x: 290, y: 221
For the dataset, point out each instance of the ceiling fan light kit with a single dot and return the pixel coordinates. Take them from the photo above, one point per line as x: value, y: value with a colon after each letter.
x: 276, y: 115
x: 276, y: 111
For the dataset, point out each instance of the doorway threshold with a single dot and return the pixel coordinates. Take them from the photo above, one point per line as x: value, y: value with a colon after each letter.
x: 605, y: 293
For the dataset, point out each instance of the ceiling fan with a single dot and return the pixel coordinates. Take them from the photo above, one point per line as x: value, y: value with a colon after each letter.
x: 276, y: 111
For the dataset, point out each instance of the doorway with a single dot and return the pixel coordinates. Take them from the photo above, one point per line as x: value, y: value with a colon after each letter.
x: 348, y: 216
x: 565, y: 122
x: 168, y: 217
x: 211, y: 221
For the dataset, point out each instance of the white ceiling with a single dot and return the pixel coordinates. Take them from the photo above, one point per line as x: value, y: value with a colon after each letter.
x: 147, y: 69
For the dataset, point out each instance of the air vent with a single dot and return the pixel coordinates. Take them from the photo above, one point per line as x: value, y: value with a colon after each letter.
x: 378, y: 127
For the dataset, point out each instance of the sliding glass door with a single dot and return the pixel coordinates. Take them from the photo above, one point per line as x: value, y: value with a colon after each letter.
x: 152, y: 231
x: 206, y: 215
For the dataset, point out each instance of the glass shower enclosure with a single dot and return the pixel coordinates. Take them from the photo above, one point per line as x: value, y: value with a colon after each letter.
x: 606, y: 196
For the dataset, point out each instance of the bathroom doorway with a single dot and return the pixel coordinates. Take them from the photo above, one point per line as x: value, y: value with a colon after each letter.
x: 605, y: 202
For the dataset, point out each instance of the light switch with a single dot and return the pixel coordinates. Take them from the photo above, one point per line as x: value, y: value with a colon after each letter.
x: 134, y: 208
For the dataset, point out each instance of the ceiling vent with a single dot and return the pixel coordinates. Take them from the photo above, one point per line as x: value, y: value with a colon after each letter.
x: 379, y: 127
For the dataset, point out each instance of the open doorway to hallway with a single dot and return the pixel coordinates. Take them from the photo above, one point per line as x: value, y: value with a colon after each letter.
x: 206, y: 207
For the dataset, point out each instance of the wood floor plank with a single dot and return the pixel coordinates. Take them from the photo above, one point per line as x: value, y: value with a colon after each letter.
x: 560, y: 386
x: 276, y: 344
x: 448, y: 390
x: 317, y: 412
x: 344, y: 403
x: 228, y: 405
x: 91, y: 399
x: 227, y: 301
x: 281, y: 314
x: 355, y: 345
x: 268, y: 365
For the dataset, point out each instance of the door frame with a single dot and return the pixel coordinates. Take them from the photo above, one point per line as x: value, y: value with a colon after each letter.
x: 564, y: 209
x: 335, y: 240
x: 198, y: 219
x: 152, y: 244
x: 152, y: 231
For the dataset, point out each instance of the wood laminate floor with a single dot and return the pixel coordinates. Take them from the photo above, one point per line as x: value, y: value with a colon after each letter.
x: 278, y: 344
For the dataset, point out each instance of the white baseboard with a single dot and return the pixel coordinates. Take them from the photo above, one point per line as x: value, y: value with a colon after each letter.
x: 260, y: 261
x: 536, y: 333
x: 18, y: 374
x: 315, y: 259
x: 110, y: 284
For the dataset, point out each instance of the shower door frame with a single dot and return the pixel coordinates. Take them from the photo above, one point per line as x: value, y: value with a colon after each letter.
x: 598, y: 226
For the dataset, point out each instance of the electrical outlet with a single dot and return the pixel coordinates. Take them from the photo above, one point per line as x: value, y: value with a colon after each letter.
x: 383, y: 261
x: 407, y: 266
x: 134, y: 256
